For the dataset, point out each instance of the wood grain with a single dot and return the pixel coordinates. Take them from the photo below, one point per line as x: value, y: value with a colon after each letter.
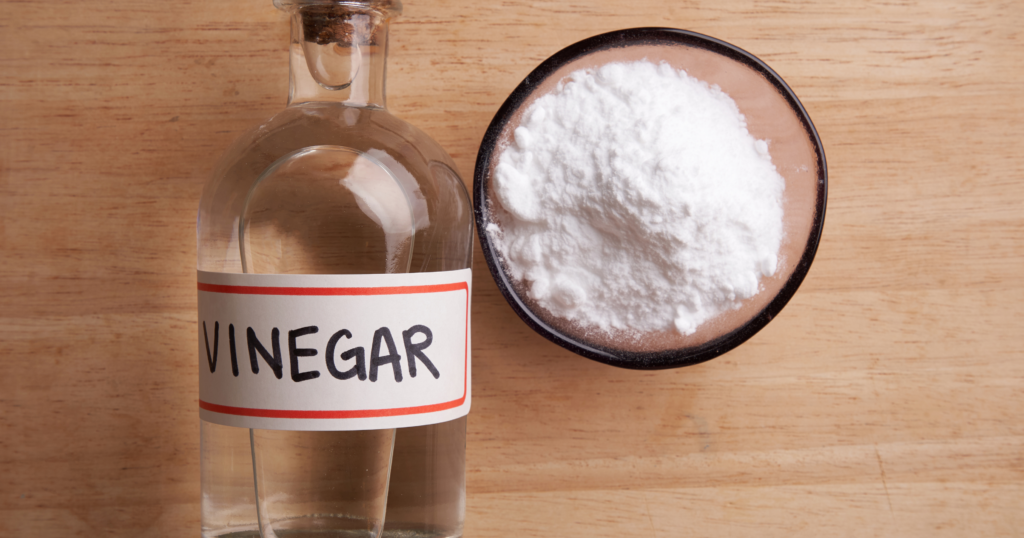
x: 884, y: 401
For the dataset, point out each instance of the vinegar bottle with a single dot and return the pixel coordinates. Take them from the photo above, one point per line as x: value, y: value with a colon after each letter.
x: 336, y: 195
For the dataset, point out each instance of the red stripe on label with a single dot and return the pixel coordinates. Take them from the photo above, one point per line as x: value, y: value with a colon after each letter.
x: 383, y: 290
x: 360, y: 413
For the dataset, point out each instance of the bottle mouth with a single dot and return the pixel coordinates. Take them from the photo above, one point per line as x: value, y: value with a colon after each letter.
x: 387, y: 8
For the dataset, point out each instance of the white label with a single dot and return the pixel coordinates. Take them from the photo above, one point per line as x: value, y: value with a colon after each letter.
x: 334, y: 352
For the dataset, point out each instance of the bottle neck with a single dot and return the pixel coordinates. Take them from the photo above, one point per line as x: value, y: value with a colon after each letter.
x: 338, y: 55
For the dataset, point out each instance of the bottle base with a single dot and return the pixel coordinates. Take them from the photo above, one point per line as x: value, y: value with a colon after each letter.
x: 337, y: 534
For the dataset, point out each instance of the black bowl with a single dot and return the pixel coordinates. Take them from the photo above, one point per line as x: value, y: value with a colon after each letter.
x: 772, y: 111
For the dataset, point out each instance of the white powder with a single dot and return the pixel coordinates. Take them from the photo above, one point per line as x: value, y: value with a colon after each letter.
x: 638, y: 201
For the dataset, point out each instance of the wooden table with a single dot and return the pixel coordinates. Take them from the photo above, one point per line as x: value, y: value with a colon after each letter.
x: 885, y: 400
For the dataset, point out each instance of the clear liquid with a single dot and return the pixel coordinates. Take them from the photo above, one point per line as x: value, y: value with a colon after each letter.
x: 323, y: 188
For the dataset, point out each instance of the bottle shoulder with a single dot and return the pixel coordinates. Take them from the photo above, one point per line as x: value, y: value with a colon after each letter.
x: 396, y: 144
x: 363, y: 140
x: 366, y: 129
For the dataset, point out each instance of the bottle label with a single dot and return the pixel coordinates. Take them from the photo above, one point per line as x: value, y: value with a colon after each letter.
x: 334, y: 352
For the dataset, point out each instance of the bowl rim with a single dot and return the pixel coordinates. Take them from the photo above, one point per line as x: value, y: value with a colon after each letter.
x: 654, y: 360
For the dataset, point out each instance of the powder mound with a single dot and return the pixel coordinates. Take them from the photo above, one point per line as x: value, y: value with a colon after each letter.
x: 636, y: 200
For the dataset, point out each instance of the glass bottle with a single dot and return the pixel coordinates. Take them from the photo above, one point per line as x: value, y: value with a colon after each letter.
x: 275, y: 205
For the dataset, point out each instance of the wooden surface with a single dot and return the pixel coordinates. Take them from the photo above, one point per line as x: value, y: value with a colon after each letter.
x: 885, y: 400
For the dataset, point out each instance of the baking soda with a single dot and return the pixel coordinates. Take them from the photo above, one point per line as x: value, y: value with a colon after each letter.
x: 636, y: 201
